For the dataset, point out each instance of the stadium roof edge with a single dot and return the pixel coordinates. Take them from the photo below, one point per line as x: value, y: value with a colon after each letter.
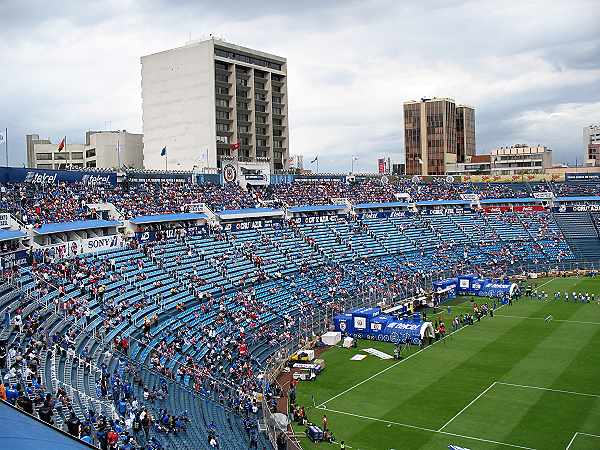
x: 7, y: 235
x: 175, y: 217
x: 316, y: 208
x: 249, y: 213
x: 62, y: 227
x: 380, y: 205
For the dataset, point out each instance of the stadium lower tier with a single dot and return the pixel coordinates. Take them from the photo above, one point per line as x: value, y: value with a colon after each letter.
x: 180, y: 330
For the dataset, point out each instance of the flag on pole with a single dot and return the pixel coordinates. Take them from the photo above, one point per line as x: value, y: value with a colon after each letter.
x: 61, y: 146
x: 163, y: 152
x: 235, y: 146
x: 315, y: 160
x: 2, y: 137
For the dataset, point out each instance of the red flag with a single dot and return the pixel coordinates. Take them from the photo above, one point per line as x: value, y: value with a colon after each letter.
x: 61, y: 146
x: 235, y: 146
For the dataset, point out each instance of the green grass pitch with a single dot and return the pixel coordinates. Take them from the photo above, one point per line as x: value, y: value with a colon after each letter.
x: 512, y: 381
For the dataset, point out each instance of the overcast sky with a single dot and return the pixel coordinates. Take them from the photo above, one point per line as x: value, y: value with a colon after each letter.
x: 530, y: 68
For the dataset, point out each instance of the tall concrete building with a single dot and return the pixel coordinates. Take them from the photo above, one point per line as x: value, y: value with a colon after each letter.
x: 432, y: 129
x: 591, y: 145
x: 465, y: 133
x: 204, y: 98
x: 102, y: 149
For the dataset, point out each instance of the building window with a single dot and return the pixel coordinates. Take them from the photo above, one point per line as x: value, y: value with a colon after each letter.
x: 76, y: 155
x: 261, y: 108
x: 89, y: 153
x: 259, y: 86
x: 222, y: 115
x: 44, y: 156
x: 243, y: 118
x: 277, y: 89
x: 222, y: 77
x: 261, y: 120
x: 243, y: 129
x: 276, y: 99
x: 277, y: 111
x: 277, y: 144
x: 222, y: 102
x: 44, y: 166
x: 222, y: 127
x: 277, y: 122
x: 261, y: 142
x: 259, y: 96
x: 242, y: 105
x: 90, y: 164
x: 261, y: 130
x: 277, y: 133
x: 245, y: 141
x: 222, y: 90
x: 61, y: 156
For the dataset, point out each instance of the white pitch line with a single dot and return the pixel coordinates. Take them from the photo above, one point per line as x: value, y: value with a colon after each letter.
x: 525, y: 386
x: 393, y: 365
x: 388, y: 368
x: 431, y: 430
x: 543, y: 318
x: 571, y: 441
x: 470, y: 403
x: 575, y: 435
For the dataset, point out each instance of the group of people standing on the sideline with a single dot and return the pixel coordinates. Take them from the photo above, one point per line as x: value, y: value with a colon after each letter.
x: 576, y: 297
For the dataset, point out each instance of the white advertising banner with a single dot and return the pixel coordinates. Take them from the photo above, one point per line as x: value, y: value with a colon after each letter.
x: 83, y: 246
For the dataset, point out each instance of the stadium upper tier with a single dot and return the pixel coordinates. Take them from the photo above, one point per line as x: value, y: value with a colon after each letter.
x: 38, y: 204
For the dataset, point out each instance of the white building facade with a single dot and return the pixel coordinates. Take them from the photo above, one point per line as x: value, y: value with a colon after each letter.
x: 102, y: 149
x: 591, y: 145
x: 201, y: 99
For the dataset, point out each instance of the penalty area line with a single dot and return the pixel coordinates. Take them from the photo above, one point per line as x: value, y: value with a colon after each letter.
x: 395, y: 364
x: 430, y: 430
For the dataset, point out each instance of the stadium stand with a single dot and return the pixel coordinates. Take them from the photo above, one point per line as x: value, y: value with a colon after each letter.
x: 163, y: 342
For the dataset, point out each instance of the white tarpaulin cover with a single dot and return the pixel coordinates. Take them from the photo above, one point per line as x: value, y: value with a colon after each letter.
x: 331, y: 338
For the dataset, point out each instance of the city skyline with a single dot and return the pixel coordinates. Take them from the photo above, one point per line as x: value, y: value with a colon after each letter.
x: 530, y: 69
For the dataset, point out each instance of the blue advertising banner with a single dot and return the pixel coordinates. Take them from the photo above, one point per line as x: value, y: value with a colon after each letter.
x: 150, y: 236
x: 251, y: 224
x: 368, y: 323
x: 44, y: 176
x: 14, y: 259
x: 582, y: 176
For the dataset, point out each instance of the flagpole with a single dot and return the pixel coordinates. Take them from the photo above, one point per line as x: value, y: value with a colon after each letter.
x: 6, y: 144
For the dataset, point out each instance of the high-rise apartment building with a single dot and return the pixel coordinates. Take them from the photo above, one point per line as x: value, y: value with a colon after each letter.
x: 203, y: 99
x: 432, y: 129
x: 591, y: 145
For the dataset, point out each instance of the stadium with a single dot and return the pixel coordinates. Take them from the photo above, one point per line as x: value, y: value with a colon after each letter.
x: 176, y: 310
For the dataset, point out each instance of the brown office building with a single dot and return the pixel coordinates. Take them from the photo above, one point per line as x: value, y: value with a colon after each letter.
x: 432, y: 129
x: 465, y: 133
